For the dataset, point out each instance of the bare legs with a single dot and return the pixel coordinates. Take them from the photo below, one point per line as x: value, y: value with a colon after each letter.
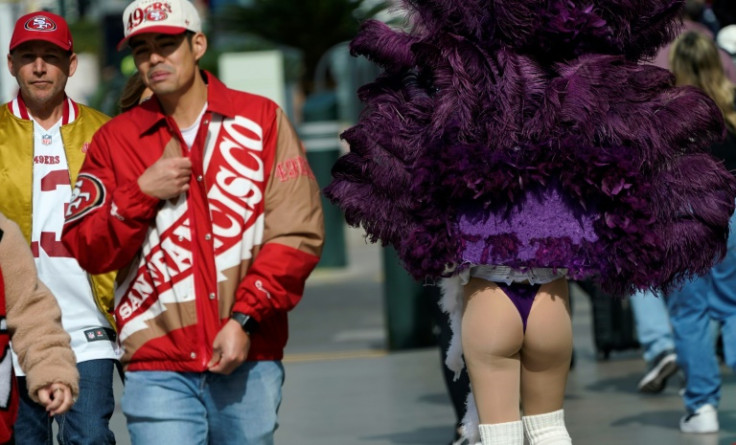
x: 509, y: 367
x: 547, y: 350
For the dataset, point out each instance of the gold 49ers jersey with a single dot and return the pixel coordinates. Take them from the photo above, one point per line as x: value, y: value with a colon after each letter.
x: 243, y: 238
x: 39, y: 168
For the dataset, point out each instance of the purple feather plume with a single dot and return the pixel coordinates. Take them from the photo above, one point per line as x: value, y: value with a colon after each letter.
x: 527, y: 133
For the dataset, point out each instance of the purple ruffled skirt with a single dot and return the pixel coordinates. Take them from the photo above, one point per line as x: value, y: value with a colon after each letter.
x: 541, y: 230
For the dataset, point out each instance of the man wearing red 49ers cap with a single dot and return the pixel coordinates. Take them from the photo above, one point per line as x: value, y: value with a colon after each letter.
x: 204, y: 197
x: 45, y: 137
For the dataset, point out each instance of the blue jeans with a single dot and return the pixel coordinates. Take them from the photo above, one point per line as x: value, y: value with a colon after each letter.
x: 87, y: 423
x: 692, y: 308
x: 652, y: 320
x: 204, y: 408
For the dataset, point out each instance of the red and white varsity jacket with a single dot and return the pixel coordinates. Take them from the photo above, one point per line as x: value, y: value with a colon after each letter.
x: 244, y: 238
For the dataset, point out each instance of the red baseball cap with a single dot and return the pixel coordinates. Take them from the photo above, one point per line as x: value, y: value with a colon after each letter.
x: 44, y: 26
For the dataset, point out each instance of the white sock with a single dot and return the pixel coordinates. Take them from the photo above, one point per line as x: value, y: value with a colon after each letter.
x: 546, y: 429
x: 508, y: 433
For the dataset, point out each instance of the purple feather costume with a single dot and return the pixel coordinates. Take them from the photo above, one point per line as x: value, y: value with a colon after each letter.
x: 526, y: 133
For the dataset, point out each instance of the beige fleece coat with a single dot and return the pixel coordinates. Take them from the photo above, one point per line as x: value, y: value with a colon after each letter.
x: 34, y: 317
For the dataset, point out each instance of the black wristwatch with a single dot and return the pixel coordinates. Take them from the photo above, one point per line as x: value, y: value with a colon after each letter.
x: 245, y: 321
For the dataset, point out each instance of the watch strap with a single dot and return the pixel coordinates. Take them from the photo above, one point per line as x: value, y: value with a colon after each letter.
x: 245, y: 321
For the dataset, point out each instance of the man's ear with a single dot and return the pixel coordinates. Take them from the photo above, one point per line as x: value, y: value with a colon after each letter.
x: 199, y: 45
x: 11, y: 67
x: 73, y: 61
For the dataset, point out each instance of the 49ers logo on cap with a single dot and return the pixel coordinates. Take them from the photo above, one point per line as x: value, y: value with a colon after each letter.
x: 155, y: 12
x: 40, y: 23
x: 156, y: 15
x: 89, y: 193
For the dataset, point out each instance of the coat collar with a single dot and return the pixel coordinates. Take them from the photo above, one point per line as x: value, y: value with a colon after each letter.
x: 149, y: 114
x: 70, y: 111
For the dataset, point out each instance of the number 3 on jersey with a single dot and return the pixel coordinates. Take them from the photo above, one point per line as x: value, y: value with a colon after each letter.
x: 49, y: 242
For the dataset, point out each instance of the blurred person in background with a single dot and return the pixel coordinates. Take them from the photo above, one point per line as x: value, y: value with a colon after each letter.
x: 725, y: 11
x: 654, y: 332
x: 692, y: 14
x: 694, y: 61
x: 134, y: 92
x: 653, y: 326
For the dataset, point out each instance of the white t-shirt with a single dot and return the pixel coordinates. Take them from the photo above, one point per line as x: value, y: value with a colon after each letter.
x: 91, y: 334
x: 190, y: 133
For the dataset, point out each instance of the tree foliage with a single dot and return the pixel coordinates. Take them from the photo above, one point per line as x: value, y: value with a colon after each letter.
x: 312, y: 26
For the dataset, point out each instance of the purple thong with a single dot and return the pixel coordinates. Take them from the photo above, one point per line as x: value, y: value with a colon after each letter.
x: 522, y: 295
